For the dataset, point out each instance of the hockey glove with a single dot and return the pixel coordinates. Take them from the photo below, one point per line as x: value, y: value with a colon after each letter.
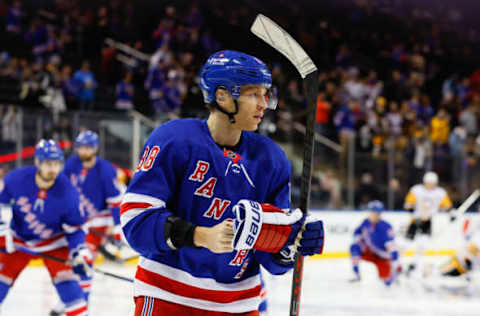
x: 6, y: 238
x: 266, y: 227
x: 311, y: 239
x: 82, y: 262
x: 117, y: 236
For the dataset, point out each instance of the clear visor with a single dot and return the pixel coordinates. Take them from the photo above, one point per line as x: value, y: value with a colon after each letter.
x: 271, y: 98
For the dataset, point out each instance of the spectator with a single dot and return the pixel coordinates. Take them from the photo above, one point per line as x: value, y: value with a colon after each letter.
x: 395, y: 192
x: 468, y: 118
x: 394, y: 119
x: 355, y: 88
x: 422, y: 153
x: 323, y: 114
x: 345, y: 122
x: 168, y: 105
x: 457, y: 143
x: 86, y: 85
x: 440, y: 128
x: 154, y: 83
x: 366, y: 191
x: 69, y: 87
x: 9, y: 128
x: 395, y: 88
x: 14, y: 18
x: 125, y: 91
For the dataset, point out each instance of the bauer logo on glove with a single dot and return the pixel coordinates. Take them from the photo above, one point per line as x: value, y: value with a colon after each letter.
x: 248, y: 220
x: 267, y: 228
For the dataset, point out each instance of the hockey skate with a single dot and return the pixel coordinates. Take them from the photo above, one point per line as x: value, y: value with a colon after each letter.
x: 58, y: 310
x: 355, y: 279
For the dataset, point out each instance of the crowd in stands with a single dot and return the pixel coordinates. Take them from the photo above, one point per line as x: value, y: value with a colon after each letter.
x: 397, y: 77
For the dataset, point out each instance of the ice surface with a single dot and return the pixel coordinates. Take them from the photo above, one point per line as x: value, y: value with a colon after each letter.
x: 325, y: 292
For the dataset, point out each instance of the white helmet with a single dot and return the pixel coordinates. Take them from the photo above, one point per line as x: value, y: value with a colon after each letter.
x: 430, y: 177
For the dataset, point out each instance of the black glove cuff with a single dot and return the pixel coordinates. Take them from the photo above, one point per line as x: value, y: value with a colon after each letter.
x: 178, y: 233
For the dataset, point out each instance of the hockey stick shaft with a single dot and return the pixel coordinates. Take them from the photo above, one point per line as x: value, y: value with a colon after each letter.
x: 57, y: 259
x: 280, y: 40
x: 468, y: 202
x: 310, y: 86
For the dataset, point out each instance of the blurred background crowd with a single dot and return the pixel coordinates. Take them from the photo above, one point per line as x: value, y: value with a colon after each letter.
x: 399, y: 80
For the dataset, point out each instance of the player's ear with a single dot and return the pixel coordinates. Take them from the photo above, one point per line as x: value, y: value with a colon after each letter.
x: 37, y: 163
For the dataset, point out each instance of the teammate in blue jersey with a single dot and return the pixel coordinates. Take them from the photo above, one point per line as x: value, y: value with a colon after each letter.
x: 100, y: 195
x: 196, y: 208
x: 46, y: 218
x: 374, y: 242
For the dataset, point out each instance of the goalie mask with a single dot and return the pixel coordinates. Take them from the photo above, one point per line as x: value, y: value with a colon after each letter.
x: 230, y: 70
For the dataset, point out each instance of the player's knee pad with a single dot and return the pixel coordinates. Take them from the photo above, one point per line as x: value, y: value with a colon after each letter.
x: 355, y: 250
x: 69, y: 292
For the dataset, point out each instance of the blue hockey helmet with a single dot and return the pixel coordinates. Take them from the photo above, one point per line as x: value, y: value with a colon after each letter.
x: 48, y: 149
x: 87, y: 138
x: 375, y: 206
x: 231, y: 70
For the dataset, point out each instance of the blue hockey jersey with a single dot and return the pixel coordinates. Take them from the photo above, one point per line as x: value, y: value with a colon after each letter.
x: 378, y: 238
x: 100, y: 192
x: 43, y: 220
x: 184, y: 172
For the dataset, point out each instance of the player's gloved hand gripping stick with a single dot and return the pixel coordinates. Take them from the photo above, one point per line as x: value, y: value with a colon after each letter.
x: 82, y: 262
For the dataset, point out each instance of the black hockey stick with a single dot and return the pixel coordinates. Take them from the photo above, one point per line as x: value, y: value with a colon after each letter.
x: 276, y: 37
x: 53, y: 258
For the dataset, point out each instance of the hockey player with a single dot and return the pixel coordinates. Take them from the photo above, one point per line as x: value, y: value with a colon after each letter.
x: 192, y: 209
x: 100, y: 195
x: 374, y: 242
x: 46, y: 218
x: 424, y: 201
x: 465, y: 259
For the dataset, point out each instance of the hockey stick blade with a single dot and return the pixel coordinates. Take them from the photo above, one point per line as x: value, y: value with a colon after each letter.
x: 271, y: 33
x: 281, y: 41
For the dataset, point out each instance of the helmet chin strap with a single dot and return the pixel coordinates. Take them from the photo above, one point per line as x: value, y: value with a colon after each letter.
x: 231, y: 115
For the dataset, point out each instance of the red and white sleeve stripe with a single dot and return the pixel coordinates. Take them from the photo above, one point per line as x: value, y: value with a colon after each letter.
x: 134, y: 204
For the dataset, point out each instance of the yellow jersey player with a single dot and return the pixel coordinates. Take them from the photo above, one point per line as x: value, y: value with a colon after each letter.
x: 424, y: 201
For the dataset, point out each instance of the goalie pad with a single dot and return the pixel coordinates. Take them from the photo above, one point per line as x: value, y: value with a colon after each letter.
x: 264, y: 227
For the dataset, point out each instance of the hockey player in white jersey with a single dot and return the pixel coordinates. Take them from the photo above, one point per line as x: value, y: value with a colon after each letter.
x: 424, y: 201
x: 465, y: 259
x: 196, y: 209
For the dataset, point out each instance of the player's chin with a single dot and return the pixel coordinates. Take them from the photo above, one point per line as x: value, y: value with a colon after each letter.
x: 253, y: 125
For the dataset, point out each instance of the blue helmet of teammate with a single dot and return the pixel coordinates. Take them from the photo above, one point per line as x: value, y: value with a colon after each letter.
x: 87, y: 138
x: 375, y: 206
x: 231, y: 70
x: 48, y: 149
